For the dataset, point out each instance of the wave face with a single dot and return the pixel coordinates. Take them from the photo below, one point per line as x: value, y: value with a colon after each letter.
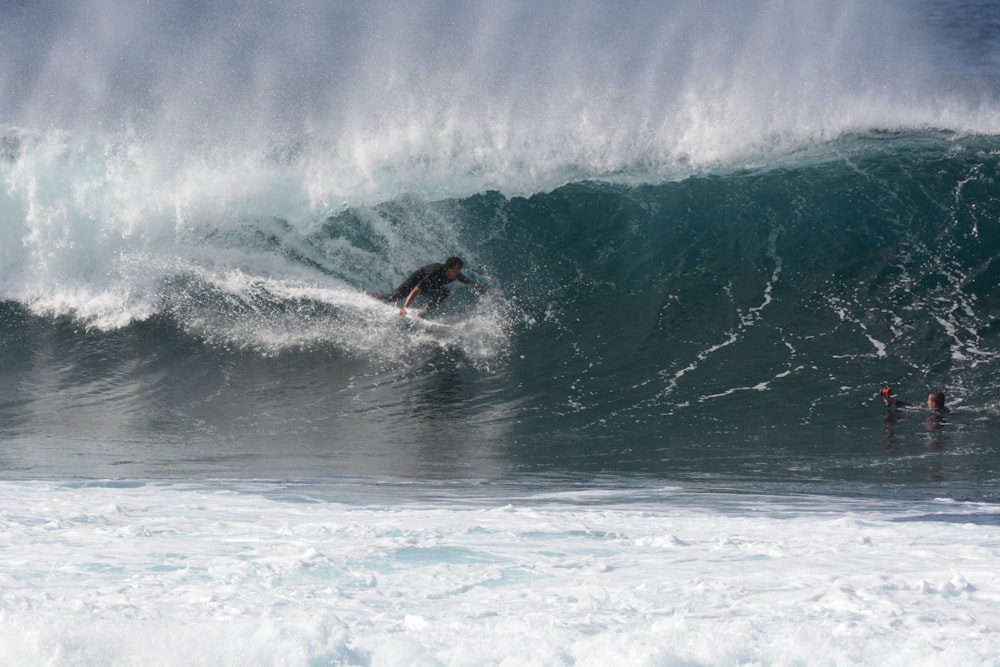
x: 663, y: 328
x: 706, y: 255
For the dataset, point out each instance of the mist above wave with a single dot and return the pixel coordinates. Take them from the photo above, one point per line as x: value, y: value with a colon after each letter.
x: 449, y: 99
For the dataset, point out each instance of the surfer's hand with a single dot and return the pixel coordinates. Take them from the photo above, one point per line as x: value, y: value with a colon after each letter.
x: 885, y: 394
x: 402, y: 312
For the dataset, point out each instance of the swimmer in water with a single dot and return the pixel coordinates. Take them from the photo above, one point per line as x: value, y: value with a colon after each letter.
x: 935, y: 401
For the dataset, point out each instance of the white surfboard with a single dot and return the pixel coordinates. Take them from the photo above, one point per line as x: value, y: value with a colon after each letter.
x: 412, y: 317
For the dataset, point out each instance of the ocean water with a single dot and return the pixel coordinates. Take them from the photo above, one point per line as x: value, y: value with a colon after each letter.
x: 711, y: 232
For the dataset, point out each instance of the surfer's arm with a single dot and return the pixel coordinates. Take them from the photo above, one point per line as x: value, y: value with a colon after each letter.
x: 462, y: 278
x: 409, y: 297
x: 895, y: 402
x: 890, y: 400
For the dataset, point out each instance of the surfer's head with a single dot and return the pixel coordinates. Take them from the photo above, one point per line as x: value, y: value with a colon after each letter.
x: 935, y: 401
x: 452, y: 267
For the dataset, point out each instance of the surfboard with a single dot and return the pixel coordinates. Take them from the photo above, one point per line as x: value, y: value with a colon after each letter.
x: 411, y: 316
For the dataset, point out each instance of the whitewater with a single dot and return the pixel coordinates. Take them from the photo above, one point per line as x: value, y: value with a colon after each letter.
x: 118, y: 573
x: 711, y: 233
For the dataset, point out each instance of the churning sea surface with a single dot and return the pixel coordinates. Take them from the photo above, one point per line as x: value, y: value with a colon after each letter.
x: 711, y: 232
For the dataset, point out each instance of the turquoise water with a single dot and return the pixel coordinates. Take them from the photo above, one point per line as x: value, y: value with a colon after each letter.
x: 733, y: 326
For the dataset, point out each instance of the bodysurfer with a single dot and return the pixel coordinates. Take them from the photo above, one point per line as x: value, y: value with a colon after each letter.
x: 934, y: 423
x: 429, y: 280
x: 935, y: 401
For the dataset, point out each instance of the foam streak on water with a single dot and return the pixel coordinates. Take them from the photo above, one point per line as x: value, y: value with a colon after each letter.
x: 251, y: 574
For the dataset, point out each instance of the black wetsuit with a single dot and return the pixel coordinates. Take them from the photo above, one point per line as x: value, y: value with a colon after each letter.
x: 431, y: 280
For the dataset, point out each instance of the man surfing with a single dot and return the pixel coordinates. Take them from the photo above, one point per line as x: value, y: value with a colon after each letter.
x: 429, y: 280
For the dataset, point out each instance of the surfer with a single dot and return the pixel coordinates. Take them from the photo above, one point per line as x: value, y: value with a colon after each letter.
x: 934, y: 423
x: 935, y: 401
x: 430, y: 280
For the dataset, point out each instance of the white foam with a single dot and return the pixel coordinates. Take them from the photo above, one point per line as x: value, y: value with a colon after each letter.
x: 383, y: 98
x: 228, y: 574
x: 112, y: 233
